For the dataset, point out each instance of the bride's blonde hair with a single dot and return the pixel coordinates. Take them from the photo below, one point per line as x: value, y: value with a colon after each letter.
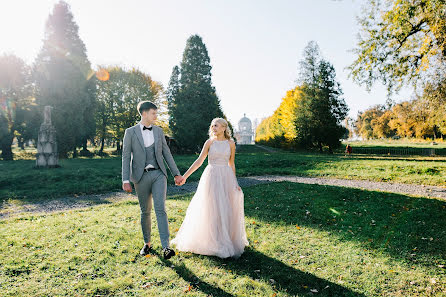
x: 224, y: 123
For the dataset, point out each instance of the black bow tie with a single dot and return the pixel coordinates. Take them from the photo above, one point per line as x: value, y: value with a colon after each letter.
x: 147, y: 128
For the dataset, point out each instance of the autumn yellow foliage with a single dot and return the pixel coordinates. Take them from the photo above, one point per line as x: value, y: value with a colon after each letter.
x: 280, y: 127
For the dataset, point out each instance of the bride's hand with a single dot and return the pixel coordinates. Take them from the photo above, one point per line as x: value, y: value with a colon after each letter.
x: 183, y: 181
x: 238, y: 188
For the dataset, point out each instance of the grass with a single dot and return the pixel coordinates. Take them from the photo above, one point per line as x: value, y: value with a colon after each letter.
x: 411, y: 170
x: 20, y: 182
x: 304, y: 240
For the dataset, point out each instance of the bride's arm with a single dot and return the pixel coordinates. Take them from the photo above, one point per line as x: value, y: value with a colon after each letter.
x: 232, y: 159
x: 199, y: 161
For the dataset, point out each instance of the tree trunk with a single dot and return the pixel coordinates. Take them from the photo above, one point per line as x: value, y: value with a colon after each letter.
x: 101, y: 150
x: 435, y: 132
x: 320, y: 146
x: 7, y: 147
x: 330, y: 149
x: 21, y: 143
x: 103, y: 130
x: 118, y: 145
x: 74, y: 153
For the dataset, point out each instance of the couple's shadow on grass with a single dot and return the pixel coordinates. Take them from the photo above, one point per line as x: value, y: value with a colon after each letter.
x: 406, y: 228
x: 259, y: 266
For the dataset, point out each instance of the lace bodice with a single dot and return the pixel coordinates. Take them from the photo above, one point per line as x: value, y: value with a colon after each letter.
x: 219, y: 153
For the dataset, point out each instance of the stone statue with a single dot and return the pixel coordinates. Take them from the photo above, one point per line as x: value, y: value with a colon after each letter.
x: 47, y: 155
x: 47, y: 115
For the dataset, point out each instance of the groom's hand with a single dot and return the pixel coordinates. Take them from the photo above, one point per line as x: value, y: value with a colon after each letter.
x: 178, y: 179
x: 127, y: 187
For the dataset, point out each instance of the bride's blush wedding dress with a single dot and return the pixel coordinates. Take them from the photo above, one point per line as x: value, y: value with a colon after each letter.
x: 214, y: 224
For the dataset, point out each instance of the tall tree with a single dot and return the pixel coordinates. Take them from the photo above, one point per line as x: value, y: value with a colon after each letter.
x: 196, y: 103
x: 118, y: 93
x: 16, y: 102
x: 172, y: 93
x: 287, y: 113
x: 322, y: 108
x: 400, y: 42
x: 309, y: 65
x: 307, y: 79
x: 329, y: 108
x: 63, y: 78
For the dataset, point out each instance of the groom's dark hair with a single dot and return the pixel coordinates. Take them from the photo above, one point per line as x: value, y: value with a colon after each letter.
x: 145, y: 105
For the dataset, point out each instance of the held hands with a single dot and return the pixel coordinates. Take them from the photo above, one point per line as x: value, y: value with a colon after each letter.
x: 180, y: 180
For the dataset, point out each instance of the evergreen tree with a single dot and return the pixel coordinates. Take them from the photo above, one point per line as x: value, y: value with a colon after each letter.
x: 307, y: 79
x: 196, y: 103
x: 171, y: 94
x: 309, y: 65
x: 329, y: 108
x: 63, y: 79
x: 321, y: 109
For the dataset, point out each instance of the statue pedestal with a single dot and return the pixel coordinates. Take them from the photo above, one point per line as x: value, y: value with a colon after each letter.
x: 47, y: 155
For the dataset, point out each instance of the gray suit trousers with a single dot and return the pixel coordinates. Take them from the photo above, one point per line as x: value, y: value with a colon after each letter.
x: 153, y: 185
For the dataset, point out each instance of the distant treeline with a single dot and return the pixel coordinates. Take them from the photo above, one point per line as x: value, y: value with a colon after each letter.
x: 424, y: 117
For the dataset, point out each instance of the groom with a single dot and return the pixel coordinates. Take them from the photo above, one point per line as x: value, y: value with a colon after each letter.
x: 144, y: 148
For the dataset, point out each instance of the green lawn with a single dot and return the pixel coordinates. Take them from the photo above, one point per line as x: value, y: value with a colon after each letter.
x: 411, y: 170
x: 304, y: 240
x: 20, y: 181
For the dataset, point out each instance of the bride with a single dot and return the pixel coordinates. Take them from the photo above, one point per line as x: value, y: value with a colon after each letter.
x: 214, y: 223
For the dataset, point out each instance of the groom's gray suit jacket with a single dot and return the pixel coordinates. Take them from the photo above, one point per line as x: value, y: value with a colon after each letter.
x: 134, y: 154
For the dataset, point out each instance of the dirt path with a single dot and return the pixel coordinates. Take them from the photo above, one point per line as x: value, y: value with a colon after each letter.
x: 406, y: 189
x: 74, y: 202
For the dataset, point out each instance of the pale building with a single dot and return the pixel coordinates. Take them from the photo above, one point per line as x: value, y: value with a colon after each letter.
x: 245, y: 133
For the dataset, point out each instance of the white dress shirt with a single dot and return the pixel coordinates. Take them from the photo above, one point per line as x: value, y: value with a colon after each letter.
x: 147, y: 136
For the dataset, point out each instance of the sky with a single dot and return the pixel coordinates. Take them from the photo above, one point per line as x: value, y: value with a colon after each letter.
x: 254, y: 45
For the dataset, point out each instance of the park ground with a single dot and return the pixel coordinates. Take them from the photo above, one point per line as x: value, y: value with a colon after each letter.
x: 305, y: 240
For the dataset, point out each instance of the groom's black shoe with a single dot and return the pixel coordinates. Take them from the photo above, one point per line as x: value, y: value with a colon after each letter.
x: 145, y: 250
x: 168, y: 253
